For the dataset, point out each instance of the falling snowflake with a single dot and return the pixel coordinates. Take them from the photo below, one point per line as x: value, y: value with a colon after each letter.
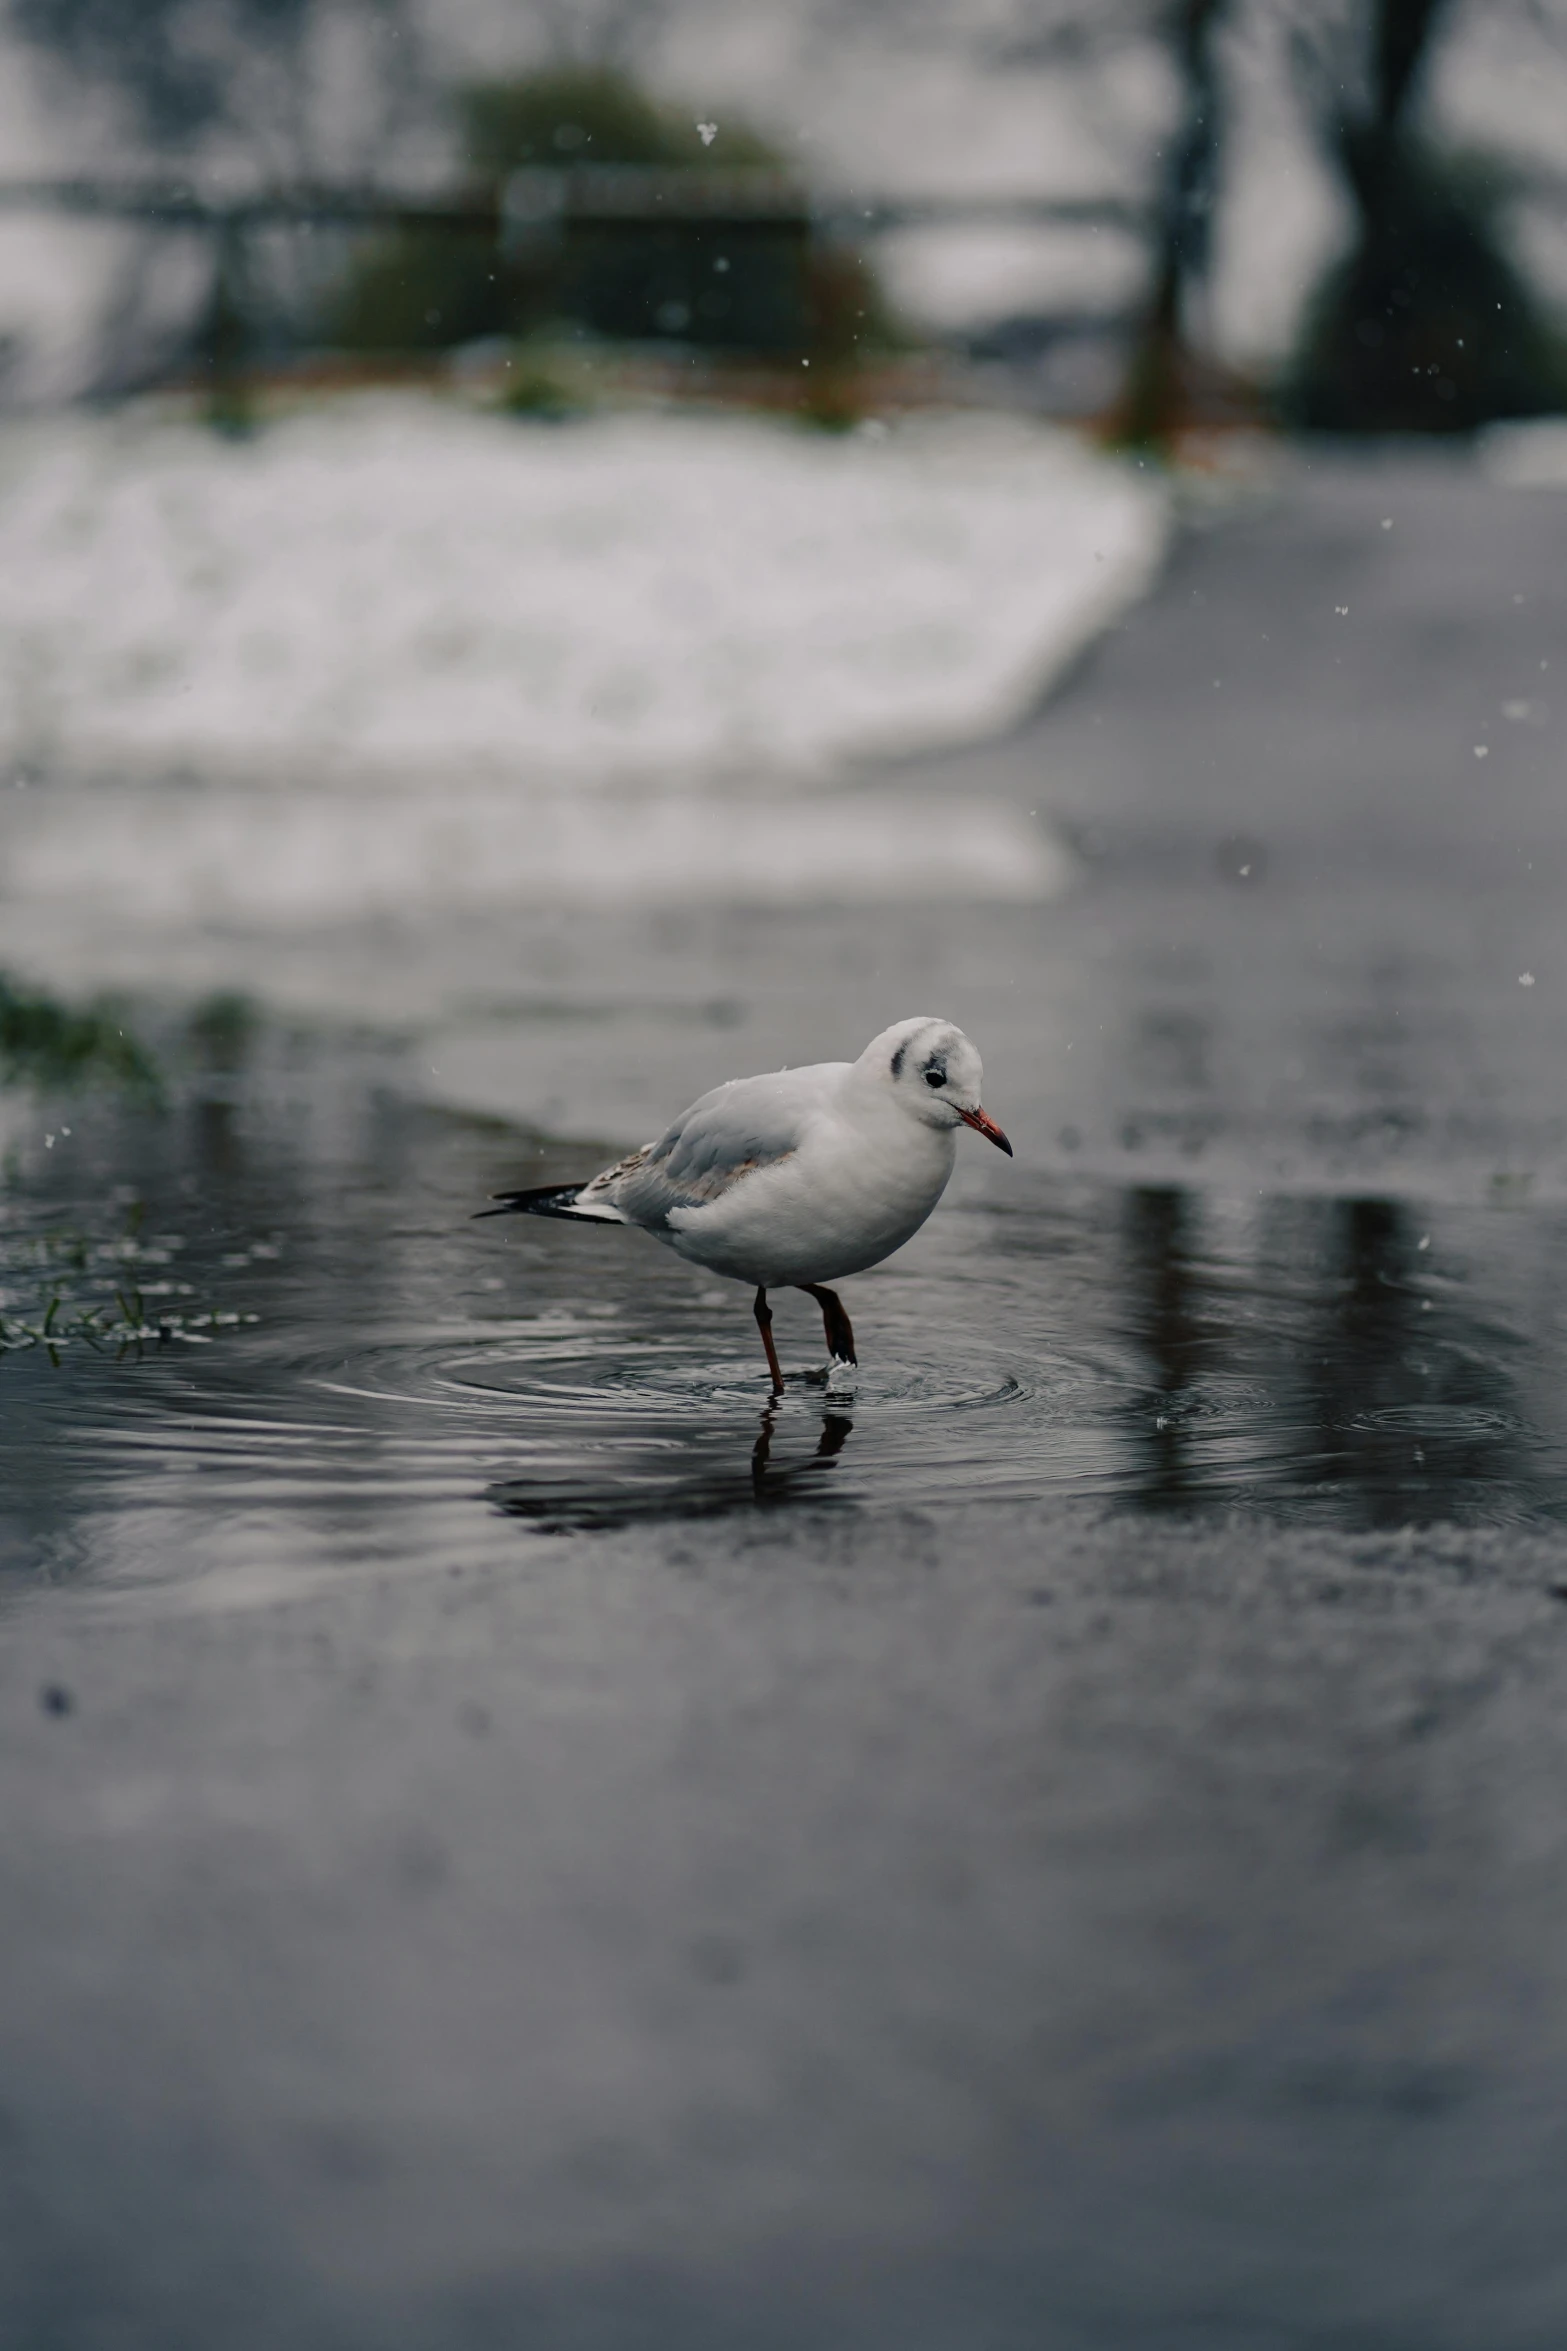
x: 707, y: 132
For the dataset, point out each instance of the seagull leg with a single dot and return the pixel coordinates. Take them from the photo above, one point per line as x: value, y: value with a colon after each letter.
x: 839, y: 1329
x: 764, y: 1323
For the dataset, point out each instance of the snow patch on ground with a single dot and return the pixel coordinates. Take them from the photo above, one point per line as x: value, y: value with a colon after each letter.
x: 400, y: 587
x: 235, y: 855
x: 392, y: 651
x: 1531, y: 456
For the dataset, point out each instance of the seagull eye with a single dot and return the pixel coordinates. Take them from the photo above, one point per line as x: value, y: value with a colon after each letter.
x: 935, y: 1077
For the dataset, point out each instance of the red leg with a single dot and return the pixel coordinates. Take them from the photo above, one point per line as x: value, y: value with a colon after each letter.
x: 764, y: 1323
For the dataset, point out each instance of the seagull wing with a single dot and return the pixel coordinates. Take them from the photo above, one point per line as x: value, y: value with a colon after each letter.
x: 727, y: 1135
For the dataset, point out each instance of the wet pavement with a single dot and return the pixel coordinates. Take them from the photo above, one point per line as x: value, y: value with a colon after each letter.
x: 1058, y: 1845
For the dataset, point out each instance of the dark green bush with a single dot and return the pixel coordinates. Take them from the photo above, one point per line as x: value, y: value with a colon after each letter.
x: 423, y: 290
x: 1425, y: 325
x: 53, y: 1045
x: 761, y: 288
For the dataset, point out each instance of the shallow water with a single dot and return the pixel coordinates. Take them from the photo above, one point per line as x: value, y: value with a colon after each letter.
x: 333, y: 1363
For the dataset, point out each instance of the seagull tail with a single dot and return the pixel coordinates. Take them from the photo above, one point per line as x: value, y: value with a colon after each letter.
x: 553, y: 1200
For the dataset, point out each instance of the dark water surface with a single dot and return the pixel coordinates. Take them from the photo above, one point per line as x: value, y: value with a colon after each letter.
x: 330, y: 1361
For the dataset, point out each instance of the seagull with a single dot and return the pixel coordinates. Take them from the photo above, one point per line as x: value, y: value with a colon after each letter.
x: 798, y: 1178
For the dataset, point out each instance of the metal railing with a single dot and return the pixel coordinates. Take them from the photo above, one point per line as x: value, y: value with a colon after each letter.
x: 587, y: 195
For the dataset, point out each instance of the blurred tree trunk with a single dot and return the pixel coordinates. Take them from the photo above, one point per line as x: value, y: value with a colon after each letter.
x: 1371, y: 145
x: 1425, y: 325
x: 1158, y: 375
x: 223, y: 340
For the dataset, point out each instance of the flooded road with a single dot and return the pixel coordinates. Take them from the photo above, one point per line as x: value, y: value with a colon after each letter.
x: 1058, y: 1844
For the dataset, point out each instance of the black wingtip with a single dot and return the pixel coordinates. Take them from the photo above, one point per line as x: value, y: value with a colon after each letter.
x: 543, y: 1200
x: 506, y: 1204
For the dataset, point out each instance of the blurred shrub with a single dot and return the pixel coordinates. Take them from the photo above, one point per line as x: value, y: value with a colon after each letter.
x: 757, y: 287
x: 848, y: 312
x: 221, y: 1031
x: 51, y: 1045
x: 1425, y: 325
x: 541, y: 382
x: 423, y: 290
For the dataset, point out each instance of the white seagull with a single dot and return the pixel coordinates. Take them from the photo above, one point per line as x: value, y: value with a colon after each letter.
x: 800, y: 1177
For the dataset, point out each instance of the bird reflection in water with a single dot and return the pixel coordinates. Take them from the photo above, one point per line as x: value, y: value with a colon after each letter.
x: 769, y: 1484
x: 641, y: 1486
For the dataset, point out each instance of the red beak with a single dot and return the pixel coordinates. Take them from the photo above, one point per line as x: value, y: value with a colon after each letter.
x: 986, y: 1127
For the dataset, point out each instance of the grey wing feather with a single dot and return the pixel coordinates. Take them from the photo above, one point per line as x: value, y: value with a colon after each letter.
x: 729, y: 1133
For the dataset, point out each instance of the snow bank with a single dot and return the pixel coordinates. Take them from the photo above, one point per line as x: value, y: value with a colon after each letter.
x: 393, y: 649
x: 1530, y: 456
x: 399, y: 587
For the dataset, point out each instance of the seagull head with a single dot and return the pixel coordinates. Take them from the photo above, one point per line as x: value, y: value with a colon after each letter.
x: 934, y: 1073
